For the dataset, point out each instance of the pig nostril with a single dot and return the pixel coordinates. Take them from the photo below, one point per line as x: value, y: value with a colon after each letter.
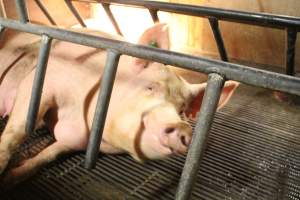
x: 169, y: 130
x: 183, y: 141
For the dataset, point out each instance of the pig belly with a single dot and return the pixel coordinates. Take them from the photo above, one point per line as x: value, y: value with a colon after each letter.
x: 6, y: 101
x: 72, y: 134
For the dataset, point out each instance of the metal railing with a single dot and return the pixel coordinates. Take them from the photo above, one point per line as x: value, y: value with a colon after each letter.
x: 218, y: 71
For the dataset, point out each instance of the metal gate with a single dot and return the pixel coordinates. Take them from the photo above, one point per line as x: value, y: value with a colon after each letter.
x: 218, y: 71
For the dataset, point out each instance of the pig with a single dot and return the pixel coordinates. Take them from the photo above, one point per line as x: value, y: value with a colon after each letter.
x: 144, y: 115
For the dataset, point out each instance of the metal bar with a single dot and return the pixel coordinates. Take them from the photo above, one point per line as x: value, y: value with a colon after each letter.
x: 75, y: 13
x: 214, y: 24
x: 208, y: 108
x: 22, y: 10
x: 111, y: 17
x: 101, y: 108
x: 241, y: 73
x: 153, y: 13
x: 46, y: 13
x: 2, y: 9
x: 291, y: 37
x: 1, y: 31
x: 266, y: 20
x: 38, y: 83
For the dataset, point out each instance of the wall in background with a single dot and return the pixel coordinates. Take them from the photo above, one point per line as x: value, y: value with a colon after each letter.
x: 243, y: 42
x: 57, y: 8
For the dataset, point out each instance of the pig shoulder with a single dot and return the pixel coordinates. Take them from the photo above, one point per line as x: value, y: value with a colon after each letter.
x: 72, y: 88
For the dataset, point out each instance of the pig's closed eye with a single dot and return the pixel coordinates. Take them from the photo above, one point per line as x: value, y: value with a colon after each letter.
x: 182, y: 109
x: 150, y: 88
x: 146, y: 65
x: 153, y: 87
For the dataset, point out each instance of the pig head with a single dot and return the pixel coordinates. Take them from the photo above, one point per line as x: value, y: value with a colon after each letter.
x: 144, y: 116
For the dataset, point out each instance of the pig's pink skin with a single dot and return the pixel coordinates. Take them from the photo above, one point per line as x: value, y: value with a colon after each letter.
x: 16, y: 61
x: 143, y: 117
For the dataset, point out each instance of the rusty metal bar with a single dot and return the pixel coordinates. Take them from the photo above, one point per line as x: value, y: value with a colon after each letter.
x: 106, y: 87
x: 208, y: 108
x: 22, y: 10
x: 259, y: 19
x: 38, y: 83
x: 154, y: 16
x: 75, y: 13
x: 45, y: 11
x: 214, y: 24
x: 111, y: 17
x: 291, y: 37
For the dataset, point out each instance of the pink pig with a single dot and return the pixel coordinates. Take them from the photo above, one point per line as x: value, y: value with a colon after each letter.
x: 144, y: 112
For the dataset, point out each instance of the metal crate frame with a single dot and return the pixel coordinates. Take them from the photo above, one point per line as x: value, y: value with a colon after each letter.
x: 218, y: 71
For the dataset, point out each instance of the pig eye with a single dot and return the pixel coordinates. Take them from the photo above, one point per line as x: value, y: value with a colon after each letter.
x: 146, y: 65
x: 150, y: 88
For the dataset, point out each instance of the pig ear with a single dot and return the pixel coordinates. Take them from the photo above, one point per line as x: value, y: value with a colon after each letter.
x: 198, y: 93
x: 155, y: 36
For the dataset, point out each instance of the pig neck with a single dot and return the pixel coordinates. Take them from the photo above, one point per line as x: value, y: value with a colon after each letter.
x: 123, y: 75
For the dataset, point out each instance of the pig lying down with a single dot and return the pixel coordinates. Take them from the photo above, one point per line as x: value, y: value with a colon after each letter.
x: 143, y: 119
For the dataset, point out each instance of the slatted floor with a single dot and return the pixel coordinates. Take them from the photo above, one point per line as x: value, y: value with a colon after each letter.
x: 253, y: 152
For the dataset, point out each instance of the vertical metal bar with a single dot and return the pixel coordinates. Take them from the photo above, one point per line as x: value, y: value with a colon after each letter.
x: 111, y: 18
x: 101, y: 108
x: 154, y: 15
x: 291, y: 37
x: 46, y: 13
x: 214, y: 24
x: 2, y: 9
x: 75, y: 13
x: 22, y: 10
x: 38, y: 83
x: 204, y: 122
x: 2, y: 28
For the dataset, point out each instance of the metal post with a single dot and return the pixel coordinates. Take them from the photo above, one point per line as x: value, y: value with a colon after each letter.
x: 22, y: 10
x: 291, y: 37
x: 75, y: 13
x: 153, y: 13
x: 111, y: 17
x: 38, y: 83
x: 209, y: 105
x: 1, y: 31
x: 101, y: 108
x: 44, y: 10
x: 214, y: 24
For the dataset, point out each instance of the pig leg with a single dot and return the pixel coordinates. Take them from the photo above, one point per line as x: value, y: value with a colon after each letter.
x: 14, y: 132
x: 32, y: 165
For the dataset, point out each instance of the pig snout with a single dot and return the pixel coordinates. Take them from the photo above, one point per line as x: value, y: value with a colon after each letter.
x: 177, y: 137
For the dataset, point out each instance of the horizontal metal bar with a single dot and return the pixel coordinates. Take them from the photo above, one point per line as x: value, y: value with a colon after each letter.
x: 218, y: 38
x: 22, y: 10
x: 154, y: 15
x: 267, y: 20
x: 241, y: 73
x: 291, y: 37
x: 38, y: 83
x: 75, y: 13
x: 111, y: 18
x: 106, y: 87
x: 208, y: 108
x: 46, y: 13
